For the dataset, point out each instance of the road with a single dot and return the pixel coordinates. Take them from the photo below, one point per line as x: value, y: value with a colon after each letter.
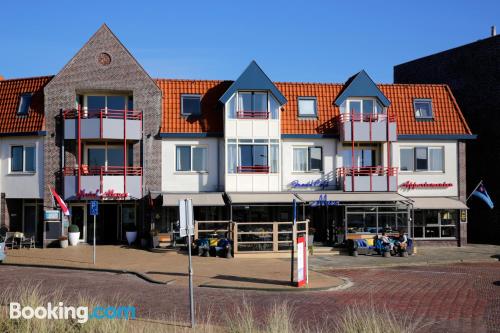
x: 455, y: 298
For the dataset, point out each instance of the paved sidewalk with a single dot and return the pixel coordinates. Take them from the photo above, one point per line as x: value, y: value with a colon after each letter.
x: 171, y: 267
x: 425, y: 256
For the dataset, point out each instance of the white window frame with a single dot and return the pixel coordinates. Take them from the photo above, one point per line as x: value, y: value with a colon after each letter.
x: 23, y: 95
x: 24, y: 171
x: 190, y: 96
x: 423, y: 100
x: 106, y: 95
x: 308, y: 158
x: 254, y: 142
x: 105, y: 147
x: 428, y: 170
x: 191, y: 161
x: 307, y: 98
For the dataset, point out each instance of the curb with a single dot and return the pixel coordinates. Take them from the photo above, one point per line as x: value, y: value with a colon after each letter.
x: 391, y: 265
x: 105, y: 270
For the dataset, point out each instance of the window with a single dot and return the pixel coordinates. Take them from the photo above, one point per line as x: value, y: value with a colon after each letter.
x: 191, y: 105
x: 108, y: 156
x: 24, y: 104
x: 306, y: 159
x: 252, y: 155
x: 307, y: 107
x: 435, y: 223
x: 423, y: 108
x: 422, y: 159
x: 406, y: 158
x: 191, y: 158
x: 22, y: 159
x: 113, y: 102
x: 362, y: 157
x: 366, y: 107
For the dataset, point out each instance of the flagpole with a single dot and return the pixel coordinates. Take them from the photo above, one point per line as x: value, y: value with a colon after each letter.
x: 479, y: 184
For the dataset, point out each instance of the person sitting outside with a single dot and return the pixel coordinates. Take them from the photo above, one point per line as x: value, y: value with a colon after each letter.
x: 402, y: 241
x: 386, y: 242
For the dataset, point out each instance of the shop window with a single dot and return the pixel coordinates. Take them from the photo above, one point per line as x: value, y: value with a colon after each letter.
x: 433, y: 224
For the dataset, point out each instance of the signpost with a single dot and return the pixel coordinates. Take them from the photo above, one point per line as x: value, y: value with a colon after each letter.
x: 94, y: 211
x: 186, y: 222
x: 293, y: 239
x: 302, y: 271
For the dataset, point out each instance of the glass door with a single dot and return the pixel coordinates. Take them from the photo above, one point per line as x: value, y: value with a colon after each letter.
x: 30, y: 220
x: 128, y: 219
x: 79, y: 217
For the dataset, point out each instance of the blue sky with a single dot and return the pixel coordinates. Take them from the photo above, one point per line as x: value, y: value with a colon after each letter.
x: 313, y: 41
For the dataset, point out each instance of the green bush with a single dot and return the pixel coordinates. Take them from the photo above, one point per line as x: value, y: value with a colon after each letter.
x: 73, y: 228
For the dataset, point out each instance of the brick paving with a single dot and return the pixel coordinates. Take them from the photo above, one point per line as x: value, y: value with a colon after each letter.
x: 455, y: 298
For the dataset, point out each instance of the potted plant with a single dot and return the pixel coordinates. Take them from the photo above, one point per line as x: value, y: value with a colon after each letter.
x: 63, y: 242
x: 130, y: 233
x: 74, y: 234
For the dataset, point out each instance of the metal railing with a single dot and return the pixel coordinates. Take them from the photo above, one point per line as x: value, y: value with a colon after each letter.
x: 103, y: 114
x: 253, y: 169
x: 252, y: 114
x: 204, y: 229
x: 367, y: 171
x: 356, y: 116
x: 103, y: 171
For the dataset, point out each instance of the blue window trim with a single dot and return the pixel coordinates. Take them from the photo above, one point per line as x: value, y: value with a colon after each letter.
x: 308, y: 136
x: 35, y: 133
x: 437, y: 136
x: 192, y: 135
x: 423, y: 100
x: 191, y: 96
x: 308, y: 98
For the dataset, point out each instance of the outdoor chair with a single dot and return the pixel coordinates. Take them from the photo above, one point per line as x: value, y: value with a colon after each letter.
x: 29, y: 242
x: 10, y: 240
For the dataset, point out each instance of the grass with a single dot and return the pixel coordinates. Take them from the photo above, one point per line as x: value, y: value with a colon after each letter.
x: 242, y: 318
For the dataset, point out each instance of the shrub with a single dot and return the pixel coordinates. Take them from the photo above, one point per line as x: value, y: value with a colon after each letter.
x: 73, y: 228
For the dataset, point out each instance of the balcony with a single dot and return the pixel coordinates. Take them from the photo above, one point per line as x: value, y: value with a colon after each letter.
x: 368, y: 179
x: 252, y: 114
x: 253, y: 169
x: 103, y: 124
x: 368, y: 128
x: 103, y: 182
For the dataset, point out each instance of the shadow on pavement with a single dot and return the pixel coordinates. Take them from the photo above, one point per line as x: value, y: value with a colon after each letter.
x: 168, y: 273
x: 251, y: 280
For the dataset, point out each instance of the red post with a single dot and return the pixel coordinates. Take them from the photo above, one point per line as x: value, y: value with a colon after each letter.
x: 79, y: 149
x: 125, y: 151
x: 352, y: 151
x: 388, y: 154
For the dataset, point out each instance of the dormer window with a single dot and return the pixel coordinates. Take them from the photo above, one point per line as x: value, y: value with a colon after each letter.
x: 364, y: 106
x: 24, y: 104
x: 191, y: 105
x: 252, y: 104
x: 423, y: 108
x: 308, y: 107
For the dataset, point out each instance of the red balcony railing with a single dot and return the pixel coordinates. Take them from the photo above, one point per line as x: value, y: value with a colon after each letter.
x: 346, y: 117
x: 253, y: 114
x: 103, y: 114
x: 103, y: 171
x: 367, y: 171
x: 253, y: 169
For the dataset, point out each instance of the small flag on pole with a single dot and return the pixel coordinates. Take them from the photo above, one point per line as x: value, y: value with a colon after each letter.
x: 60, y: 201
x: 481, y: 193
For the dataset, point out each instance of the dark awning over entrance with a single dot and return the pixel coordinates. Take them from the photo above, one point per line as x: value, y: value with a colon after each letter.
x: 199, y: 199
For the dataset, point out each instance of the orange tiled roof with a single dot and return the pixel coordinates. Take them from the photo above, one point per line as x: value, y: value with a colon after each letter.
x: 10, y: 92
x: 448, y: 118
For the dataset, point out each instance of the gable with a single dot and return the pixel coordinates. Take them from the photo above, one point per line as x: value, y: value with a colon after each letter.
x: 253, y: 78
x: 361, y: 85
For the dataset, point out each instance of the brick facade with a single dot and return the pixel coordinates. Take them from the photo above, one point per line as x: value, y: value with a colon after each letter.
x: 86, y: 73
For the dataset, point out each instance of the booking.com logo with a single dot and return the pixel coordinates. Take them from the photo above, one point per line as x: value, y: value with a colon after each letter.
x: 81, y: 314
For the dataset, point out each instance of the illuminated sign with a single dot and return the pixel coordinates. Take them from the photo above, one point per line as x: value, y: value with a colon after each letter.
x: 110, y: 194
x: 323, y: 201
x: 409, y: 185
x: 312, y: 183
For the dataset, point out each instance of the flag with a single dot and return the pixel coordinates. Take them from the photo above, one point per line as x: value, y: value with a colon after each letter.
x: 481, y: 193
x: 60, y: 201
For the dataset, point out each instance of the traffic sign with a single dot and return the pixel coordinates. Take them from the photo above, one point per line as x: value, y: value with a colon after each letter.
x: 94, y: 207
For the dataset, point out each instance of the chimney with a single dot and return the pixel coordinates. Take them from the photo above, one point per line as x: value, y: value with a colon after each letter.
x: 493, y: 31
x: 1, y: 77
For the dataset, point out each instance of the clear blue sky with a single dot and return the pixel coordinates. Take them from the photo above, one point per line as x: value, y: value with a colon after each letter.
x: 314, y: 41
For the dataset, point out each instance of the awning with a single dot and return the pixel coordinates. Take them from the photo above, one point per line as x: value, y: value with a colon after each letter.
x: 262, y: 198
x: 199, y: 199
x: 352, y: 197
x: 437, y: 203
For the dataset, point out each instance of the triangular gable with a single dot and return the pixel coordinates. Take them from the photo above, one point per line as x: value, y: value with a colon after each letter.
x: 361, y: 85
x: 102, y: 40
x: 253, y: 78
